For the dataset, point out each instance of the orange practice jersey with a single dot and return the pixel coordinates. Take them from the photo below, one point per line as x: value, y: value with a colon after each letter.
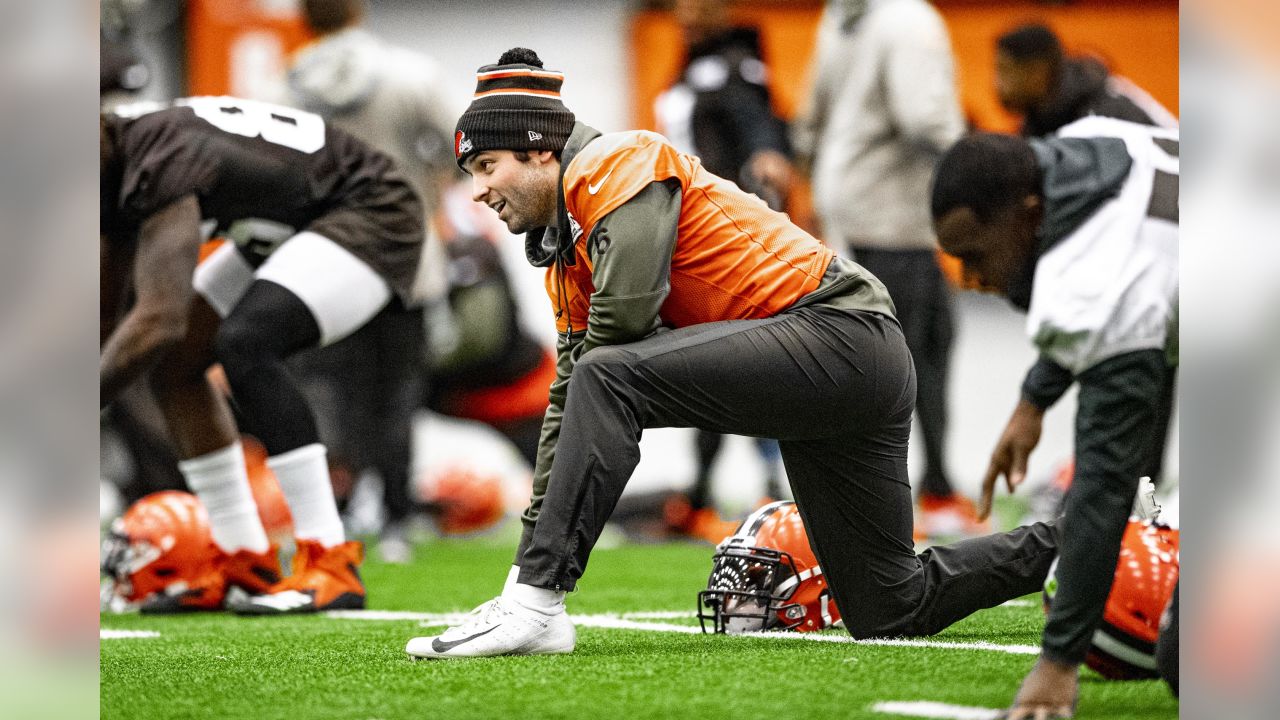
x: 734, y: 258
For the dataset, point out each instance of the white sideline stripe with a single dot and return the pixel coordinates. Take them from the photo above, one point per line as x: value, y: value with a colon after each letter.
x: 614, y: 622
x: 658, y: 615
x: 928, y: 709
x: 1018, y: 603
x: 387, y: 615
x: 106, y: 634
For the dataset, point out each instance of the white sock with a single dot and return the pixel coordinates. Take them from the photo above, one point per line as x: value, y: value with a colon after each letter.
x: 221, y: 481
x: 547, y: 602
x: 304, y: 478
x: 511, y: 579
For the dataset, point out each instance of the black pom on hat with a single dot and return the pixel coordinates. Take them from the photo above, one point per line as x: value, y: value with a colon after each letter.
x: 522, y: 56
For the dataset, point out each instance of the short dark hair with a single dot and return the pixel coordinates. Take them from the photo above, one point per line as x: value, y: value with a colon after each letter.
x: 985, y: 172
x: 326, y: 16
x: 1031, y: 42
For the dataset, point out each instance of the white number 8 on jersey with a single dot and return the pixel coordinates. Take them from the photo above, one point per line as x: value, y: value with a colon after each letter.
x: 302, y: 131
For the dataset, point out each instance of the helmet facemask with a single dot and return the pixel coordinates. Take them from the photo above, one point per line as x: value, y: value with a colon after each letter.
x: 748, y: 590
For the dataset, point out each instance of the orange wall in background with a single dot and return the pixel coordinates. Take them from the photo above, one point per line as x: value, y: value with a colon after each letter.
x: 1136, y: 38
x: 240, y: 47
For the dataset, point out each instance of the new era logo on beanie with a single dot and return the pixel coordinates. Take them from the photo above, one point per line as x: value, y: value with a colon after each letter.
x: 517, y: 106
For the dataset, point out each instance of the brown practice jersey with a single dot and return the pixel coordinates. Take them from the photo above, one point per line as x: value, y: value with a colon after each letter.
x: 261, y: 173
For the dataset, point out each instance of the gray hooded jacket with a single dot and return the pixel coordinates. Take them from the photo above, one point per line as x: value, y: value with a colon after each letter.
x: 882, y: 109
x: 393, y: 99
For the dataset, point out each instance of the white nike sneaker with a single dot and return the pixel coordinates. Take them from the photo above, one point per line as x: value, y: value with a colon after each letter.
x: 500, y: 627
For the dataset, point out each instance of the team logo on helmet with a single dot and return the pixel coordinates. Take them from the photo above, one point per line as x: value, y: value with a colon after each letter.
x: 766, y: 577
x: 461, y: 144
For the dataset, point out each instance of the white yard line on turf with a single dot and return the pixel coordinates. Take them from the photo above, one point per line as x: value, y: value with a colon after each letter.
x: 615, y: 622
x: 926, y: 709
x: 106, y: 634
x: 1019, y: 603
x: 659, y: 615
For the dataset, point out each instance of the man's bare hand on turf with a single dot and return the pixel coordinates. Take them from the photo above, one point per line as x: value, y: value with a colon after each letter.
x: 1048, y: 692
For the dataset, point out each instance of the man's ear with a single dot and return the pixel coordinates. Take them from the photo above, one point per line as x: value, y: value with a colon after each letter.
x: 1034, y: 207
x: 543, y: 156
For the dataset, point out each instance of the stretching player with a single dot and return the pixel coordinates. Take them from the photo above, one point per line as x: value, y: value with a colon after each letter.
x: 324, y: 234
x: 682, y: 301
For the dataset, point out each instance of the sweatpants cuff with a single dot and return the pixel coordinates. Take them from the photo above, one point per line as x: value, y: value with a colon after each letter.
x: 546, y: 580
x: 1063, y: 658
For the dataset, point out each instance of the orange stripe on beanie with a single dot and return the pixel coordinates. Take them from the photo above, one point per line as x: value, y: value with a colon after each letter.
x: 516, y: 106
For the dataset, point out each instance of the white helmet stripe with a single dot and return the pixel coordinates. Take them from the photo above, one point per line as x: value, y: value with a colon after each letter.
x: 799, y: 578
x: 1120, y: 651
x: 752, y: 524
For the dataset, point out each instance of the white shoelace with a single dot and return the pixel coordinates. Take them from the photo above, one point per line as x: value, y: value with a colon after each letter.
x: 487, y: 613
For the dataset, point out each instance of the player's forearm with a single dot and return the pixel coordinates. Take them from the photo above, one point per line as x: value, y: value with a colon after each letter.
x: 140, y: 341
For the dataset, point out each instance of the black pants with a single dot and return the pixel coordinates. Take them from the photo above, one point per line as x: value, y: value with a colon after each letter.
x: 837, y: 390
x: 922, y: 300
x: 365, y: 389
x: 268, y: 325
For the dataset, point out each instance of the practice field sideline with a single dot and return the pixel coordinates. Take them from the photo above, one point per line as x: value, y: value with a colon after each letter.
x: 639, y: 654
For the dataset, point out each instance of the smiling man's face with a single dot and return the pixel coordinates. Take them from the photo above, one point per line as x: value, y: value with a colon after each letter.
x: 521, y: 189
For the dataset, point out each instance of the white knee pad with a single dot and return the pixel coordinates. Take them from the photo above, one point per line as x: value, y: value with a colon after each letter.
x: 341, y: 290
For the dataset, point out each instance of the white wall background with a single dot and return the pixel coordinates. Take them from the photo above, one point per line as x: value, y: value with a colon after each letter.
x: 586, y: 40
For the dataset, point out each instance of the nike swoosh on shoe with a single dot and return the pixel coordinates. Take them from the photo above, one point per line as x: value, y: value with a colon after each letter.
x: 442, y: 646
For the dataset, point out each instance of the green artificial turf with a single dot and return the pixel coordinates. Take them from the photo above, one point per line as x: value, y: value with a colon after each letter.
x: 297, y: 668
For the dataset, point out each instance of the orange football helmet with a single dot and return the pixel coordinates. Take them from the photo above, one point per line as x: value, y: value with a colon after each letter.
x: 464, y: 501
x: 765, y: 577
x: 1123, y: 646
x: 162, y: 544
x: 273, y: 509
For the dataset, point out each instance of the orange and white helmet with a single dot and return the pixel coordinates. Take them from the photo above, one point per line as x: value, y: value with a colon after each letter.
x: 273, y: 509
x: 1123, y: 646
x: 766, y: 577
x: 162, y: 544
x: 464, y: 500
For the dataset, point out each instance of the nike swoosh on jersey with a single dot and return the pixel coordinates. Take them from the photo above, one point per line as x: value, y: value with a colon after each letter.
x: 593, y: 189
x: 445, y: 645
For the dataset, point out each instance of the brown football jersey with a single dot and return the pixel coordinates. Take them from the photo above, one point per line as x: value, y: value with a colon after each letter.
x: 262, y: 173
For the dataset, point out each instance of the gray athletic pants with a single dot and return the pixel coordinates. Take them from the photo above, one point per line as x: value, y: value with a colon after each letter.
x: 836, y: 388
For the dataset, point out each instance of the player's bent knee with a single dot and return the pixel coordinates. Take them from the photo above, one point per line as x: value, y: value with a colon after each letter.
x: 237, y: 345
x: 604, y: 359
x: 603, y: 366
